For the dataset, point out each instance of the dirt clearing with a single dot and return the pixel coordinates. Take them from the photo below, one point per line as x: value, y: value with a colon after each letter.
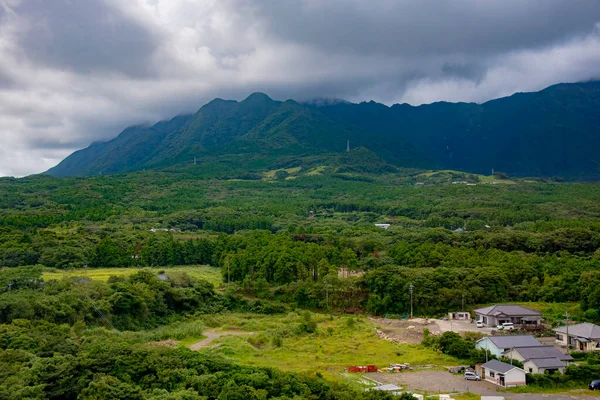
x: 211, y: 335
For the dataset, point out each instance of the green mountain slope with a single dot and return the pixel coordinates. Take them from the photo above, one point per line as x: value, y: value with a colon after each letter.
x: 554, y: 132
x: 258, y: 132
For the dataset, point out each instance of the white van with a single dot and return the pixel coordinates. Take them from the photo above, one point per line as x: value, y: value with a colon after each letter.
x: 507, y: 326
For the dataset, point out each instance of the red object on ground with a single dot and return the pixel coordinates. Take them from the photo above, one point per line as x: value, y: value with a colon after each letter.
x: 360, y: 368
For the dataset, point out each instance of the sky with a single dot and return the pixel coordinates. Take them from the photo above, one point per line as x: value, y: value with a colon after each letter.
x: 77, y: 71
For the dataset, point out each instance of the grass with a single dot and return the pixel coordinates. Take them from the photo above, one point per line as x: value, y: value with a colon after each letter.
x: 337, y: 343
x: 271, y: 174
x: 482, y: 178
x: 317, y: 171
x: 210, y: 274
x: 574, y: 391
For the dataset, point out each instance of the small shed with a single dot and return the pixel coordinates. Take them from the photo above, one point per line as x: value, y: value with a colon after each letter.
x: 503, y: 374
x: 459, y: 315
x: 389, y: 388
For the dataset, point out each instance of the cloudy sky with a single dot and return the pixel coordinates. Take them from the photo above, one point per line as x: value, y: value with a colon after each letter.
x: 77, y: 71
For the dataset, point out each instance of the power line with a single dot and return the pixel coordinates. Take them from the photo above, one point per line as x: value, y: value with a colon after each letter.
x: 102, y: 316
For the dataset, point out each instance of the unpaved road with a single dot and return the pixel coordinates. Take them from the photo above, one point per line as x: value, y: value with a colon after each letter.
x: 435, y: 382
x: 211, y: 335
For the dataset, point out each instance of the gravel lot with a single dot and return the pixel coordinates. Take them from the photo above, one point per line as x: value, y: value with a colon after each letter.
x: 436, y: 381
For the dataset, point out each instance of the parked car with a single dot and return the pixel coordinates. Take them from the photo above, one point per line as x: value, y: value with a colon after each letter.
x: 472, y: 376
x: 507, y: 326
x: 480, y: 324
x: 594, y: 385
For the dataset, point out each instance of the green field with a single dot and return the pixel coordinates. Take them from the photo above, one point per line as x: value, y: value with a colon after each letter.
x: 338, y: 342
x: 482, y: 178
x: 208, y: 273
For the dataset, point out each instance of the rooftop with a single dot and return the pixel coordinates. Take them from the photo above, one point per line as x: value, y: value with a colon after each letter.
x: 585, y: 330
x: 508, y: 342
x: 162, y: 277
x: 499, y: 366
x: 508, y: 309
x: 532, y: 352
x: 387, y: 388
x: 551, y: 362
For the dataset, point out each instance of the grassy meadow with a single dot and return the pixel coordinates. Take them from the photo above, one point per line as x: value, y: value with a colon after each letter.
x: 208, y: 273
x: 281, y: 341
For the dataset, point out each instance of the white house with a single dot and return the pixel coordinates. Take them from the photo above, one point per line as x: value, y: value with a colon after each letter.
x: 460, y: 315
x: 383, y: 226
x: 498, y: 345
x: 582, y: 337
x: 545, y: 365
x: 502, y: 374
x: 520, y: 316
x: 540, y: 359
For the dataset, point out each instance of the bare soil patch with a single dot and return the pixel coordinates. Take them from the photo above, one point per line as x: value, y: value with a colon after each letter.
x: 165, y: 343
x: 402, y: 330
x: 211, y: 335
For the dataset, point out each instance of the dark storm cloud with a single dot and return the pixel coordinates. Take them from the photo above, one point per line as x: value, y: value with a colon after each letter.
x: 77, y: 71
x: 420, y: 28
x: 85, y: 36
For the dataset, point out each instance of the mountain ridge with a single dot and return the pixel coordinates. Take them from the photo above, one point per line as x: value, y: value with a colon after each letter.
x: 546, y: 133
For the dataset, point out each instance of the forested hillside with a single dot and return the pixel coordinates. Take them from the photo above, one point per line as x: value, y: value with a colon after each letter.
x: 282, y: 240
x: 549, y: 133
x: 303, y: 230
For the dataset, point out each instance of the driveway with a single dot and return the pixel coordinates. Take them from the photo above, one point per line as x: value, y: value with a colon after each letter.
x: 460, y: 326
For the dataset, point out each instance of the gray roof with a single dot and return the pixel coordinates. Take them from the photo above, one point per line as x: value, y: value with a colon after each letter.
x: 508, y: 309
x: 529, y: 353
x: 548, y: 362
x: 508, y: 342
x: 499, y: 366
x: 387, y: 388
x: 585, y: 330
x: 162, y: 277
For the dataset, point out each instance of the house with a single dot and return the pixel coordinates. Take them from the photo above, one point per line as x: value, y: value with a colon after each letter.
x: 520, y: 316
x: 383, y: 226
x: 502, y: 374
x: 163, y: 277
x: 498, y: 345
x: 582, y: 337
x: 540, y: 359
x: 460, y: 315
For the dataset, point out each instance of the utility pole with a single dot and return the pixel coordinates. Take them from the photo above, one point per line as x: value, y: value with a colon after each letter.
x: 228, y: 272
x: 511, y: 354
x: 568, y: 339
x: 463, y: 302
x: 411, y: 287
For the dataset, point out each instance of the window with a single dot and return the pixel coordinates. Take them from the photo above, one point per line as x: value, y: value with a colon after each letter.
x: 559, y: 337
x: 530, y: 370
x: 492, y: 374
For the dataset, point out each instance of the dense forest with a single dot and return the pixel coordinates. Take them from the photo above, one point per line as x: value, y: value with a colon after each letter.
x: 290, y: 239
